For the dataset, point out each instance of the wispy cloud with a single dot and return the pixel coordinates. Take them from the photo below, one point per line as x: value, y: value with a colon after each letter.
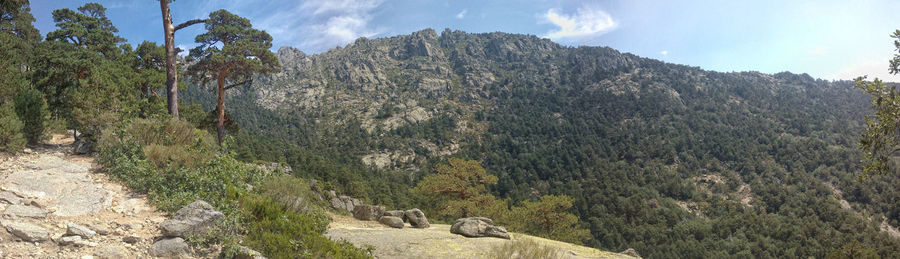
x: 324, y: 23
x: 587, y: 21
x: 664, y: 52
x: 462, y: 14
x: 820, y: 50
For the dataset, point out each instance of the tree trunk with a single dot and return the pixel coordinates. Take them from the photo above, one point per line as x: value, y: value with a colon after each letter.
x: 171, y: 72
x: 220, y: 108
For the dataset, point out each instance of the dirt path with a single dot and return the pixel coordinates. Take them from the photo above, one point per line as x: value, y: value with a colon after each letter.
x: 48, y: 192
x: 437, y: 241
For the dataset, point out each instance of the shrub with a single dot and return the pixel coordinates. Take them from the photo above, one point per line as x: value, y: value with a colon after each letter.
x: 11, y: 137
x: 32, y: 110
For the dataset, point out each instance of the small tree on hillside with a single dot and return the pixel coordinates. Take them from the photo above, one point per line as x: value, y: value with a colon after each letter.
x: 231, y: 50
x: 880, y: 142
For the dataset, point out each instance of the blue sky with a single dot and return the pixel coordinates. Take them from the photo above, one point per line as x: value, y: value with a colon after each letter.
x: 827, y: 39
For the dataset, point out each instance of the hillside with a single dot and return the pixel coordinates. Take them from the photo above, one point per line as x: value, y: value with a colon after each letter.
x: 671, y: 160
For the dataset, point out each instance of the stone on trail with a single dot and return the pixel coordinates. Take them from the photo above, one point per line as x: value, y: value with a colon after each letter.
x: 169, y: 247
x: 27, y: 231
x: 111, y: 252
x: 69, y: 240
x: 417, y: 219
x: 73, y: 229
x: 391, y: 221
x: 195, y: 219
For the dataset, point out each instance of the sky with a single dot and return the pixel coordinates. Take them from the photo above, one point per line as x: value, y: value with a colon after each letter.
x: 831, y: 40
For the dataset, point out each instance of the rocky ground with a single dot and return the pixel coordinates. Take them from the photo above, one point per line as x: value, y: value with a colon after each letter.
x: 437, y: 241
x: 54, y: 204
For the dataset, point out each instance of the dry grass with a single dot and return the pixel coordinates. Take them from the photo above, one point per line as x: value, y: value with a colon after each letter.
x: 525, y: 248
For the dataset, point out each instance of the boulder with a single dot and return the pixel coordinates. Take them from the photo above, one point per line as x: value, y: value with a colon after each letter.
x: 391, y: 221
x: 27, y: 231
x: 83, y: 146
x: 169, y: 247
x: 194, y: 219
x: 79, y: 230
x: 478, y: 227
x: 247, y: 253
x: 631, y: 252
x: 368, y: 212
x: 416, y: 218
x: 396, y: 213
x: 343, y: 202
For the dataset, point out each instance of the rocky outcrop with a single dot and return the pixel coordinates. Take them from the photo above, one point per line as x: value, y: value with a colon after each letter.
x: 343, y: 202
x: 416, y: 218
x: 368, y: 212
x: 22, y: 211
x: 26, y: 231
x: 396, y: 213
x: 194, y: 219
x: 391, y: 221
x: 169, y: 247
x: 478, y: 227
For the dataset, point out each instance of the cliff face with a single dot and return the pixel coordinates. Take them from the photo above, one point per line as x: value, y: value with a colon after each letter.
x: 388, y: 83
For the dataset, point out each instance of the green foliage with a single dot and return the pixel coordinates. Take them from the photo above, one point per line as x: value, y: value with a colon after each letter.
x: 232, y: 49
x: 853, y: 250
x: 524, y: 248
x: 11, y: 137
x: 548, y: 218
x: 31, y: 107
x: 879, y: 141
x: 278, y: 233
x: 459, y: 179
x: 16, y: 19
x: 87, y: 28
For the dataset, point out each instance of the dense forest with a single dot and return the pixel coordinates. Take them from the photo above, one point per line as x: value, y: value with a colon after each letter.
x: 671, y: 160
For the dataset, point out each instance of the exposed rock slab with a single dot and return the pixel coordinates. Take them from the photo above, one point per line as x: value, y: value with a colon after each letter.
x: 27, y: 231
x: 63, y: 185
x: 21, y: 211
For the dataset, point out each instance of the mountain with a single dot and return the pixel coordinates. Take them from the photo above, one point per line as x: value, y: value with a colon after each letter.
x: 672, y: 160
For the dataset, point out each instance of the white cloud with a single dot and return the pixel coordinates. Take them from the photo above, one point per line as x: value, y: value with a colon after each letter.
x: 585, y: 22
x: 873, y: 68
x: 820, y: 50
x: 462, y: 14
x: 323, y: 24
x: 664, y: 52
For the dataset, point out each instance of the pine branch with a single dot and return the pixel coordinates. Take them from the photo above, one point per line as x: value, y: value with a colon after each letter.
x: 189, y: 23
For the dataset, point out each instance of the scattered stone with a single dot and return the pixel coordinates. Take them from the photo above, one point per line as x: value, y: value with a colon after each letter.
x: 100, y: 229
x: 368, y: 212
x: 10, y: 198
x: 27, y: 231
x: 343, y: 202
x: 110, y: 252
x: 631, y: 252
x: 417, y: 218
x: 391, y: 221
x: 396, y: 213
x: 24, y: 212
x: 131, y: 239
x: 68, y: 240
x: 195, y: 218
x: 169, y: 247
x: 478, y: 227
x: 36, y: 202
x: 247, y: 253
x: 73, y: 229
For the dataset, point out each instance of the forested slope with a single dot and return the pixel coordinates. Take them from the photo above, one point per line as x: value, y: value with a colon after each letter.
x: 674, y: 161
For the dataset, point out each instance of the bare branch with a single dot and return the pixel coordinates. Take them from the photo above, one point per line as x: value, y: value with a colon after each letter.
x: 247, y: 82
x: 189, y: 23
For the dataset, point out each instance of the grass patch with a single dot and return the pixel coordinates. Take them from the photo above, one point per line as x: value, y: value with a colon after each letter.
x: 524, y: 248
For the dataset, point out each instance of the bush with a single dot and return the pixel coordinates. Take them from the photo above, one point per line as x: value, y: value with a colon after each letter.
x: 11, y: 137
x: 144, y: 154
x: 32, y: 110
